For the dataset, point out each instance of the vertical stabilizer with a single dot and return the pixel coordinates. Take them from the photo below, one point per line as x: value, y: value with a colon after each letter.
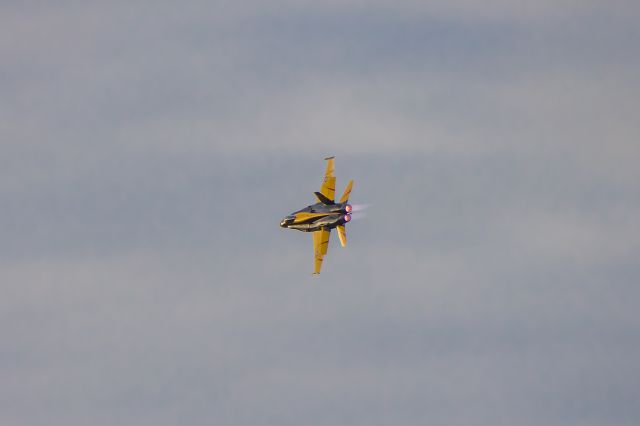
x: 347, y: 192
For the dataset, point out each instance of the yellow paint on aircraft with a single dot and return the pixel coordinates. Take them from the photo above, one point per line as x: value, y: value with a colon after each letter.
x: 342, y: 234
x: 328, y: 188
x: 347, y: 192
x: 320, y: 245
x: 302, y: 216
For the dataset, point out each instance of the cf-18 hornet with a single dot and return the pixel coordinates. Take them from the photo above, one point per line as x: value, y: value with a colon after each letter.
x: 320, y: 218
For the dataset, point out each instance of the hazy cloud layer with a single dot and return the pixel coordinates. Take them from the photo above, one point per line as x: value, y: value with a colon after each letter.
x: 149, y: 150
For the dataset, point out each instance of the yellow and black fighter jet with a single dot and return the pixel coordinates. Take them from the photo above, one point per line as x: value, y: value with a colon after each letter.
x: 322, y: 217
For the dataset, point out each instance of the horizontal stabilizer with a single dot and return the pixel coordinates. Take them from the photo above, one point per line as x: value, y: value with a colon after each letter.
x: 323, y: 199
x: 342, y: 234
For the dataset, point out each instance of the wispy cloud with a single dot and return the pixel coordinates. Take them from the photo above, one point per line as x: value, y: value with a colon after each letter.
x: 148, y: 152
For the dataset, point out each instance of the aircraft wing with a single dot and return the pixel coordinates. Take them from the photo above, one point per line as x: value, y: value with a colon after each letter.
x: 328, y: 188
x: 320, y: 245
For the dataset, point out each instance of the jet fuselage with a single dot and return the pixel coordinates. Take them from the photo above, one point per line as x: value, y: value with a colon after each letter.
x: 318, y: 216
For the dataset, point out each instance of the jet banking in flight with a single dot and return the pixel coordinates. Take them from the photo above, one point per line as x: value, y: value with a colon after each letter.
x: 322, y: 217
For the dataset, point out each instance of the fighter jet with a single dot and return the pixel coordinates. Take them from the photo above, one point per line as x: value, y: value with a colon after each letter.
x: 320, y: 218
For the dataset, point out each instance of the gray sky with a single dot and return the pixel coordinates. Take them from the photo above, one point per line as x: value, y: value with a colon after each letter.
x: 148, y: 151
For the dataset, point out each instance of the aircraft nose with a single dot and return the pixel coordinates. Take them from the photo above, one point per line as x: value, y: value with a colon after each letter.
x: 287, y: 220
